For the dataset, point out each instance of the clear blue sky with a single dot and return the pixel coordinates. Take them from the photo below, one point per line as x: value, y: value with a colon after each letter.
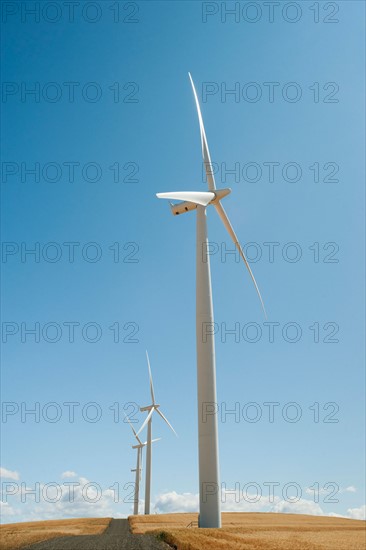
x: 155, y: 129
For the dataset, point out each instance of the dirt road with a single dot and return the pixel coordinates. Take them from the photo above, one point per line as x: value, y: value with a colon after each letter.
x: 116, y: 537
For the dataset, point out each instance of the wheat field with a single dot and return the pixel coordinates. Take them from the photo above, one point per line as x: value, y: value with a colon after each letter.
x: 241, y: 531
x: 256, y: 531
x: 19, y: 535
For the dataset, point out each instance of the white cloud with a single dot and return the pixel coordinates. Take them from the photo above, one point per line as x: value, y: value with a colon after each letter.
x: 350, y: 489
x: 357, y: 513
x: 235, y: 501
x: 302, y: 506
x: 81, y: 499
x: 9, y: 474
x: 68, y: 473
x: 231, y: 501
x: 6, y: 509
x: 174, y: 502
x: 69, y: 499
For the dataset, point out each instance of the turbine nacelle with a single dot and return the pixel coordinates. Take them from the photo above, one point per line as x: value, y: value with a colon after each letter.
x: 182, y: 207
x: 191, y: 199
x: 142, y: 445
x: 149, y: 407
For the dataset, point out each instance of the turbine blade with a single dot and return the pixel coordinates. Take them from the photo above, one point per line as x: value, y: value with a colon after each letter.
x: 166, y: 420
x: 205, y: 151
x: 133, y: 429
x: 203, y: 198
x: 225, y: 220
x: 146, y: 421
x: 151, y: 381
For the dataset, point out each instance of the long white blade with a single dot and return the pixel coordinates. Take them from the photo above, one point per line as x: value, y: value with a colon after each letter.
x: 151, y: 381
x: 203, y: 198
x: 205, y: 150
x: 146, y: 421
x: 221, y: 212
x: 166, y: 420
x: 133, y: 429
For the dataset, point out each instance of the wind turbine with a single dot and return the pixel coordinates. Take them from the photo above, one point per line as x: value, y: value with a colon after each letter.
x: 148, y: 420
x: 209, y: 475
x: 138, y: 468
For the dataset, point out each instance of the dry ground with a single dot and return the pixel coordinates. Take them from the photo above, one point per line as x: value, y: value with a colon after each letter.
x: 20, y: 535
x: 256, y: 531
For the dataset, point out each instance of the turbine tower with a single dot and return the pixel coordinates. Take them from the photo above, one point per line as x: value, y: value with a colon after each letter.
x: 148, y: 420
x: 138, y: 468
x: 209, y: 475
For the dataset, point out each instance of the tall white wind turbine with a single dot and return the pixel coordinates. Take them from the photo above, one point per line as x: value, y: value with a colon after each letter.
x: 148, y: 420
x: 138, y: 468
x: 209, y: 475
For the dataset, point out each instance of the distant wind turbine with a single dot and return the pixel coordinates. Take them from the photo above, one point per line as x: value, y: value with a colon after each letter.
x: 148, y: 420
x: 138, y: 468
x: 209, y: 475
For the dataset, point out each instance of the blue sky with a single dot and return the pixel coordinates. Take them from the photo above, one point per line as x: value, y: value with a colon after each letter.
x: 144, y: 121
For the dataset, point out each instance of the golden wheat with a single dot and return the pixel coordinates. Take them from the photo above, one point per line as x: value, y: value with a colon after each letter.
x: 18, y: 535
x: 256, y: 531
